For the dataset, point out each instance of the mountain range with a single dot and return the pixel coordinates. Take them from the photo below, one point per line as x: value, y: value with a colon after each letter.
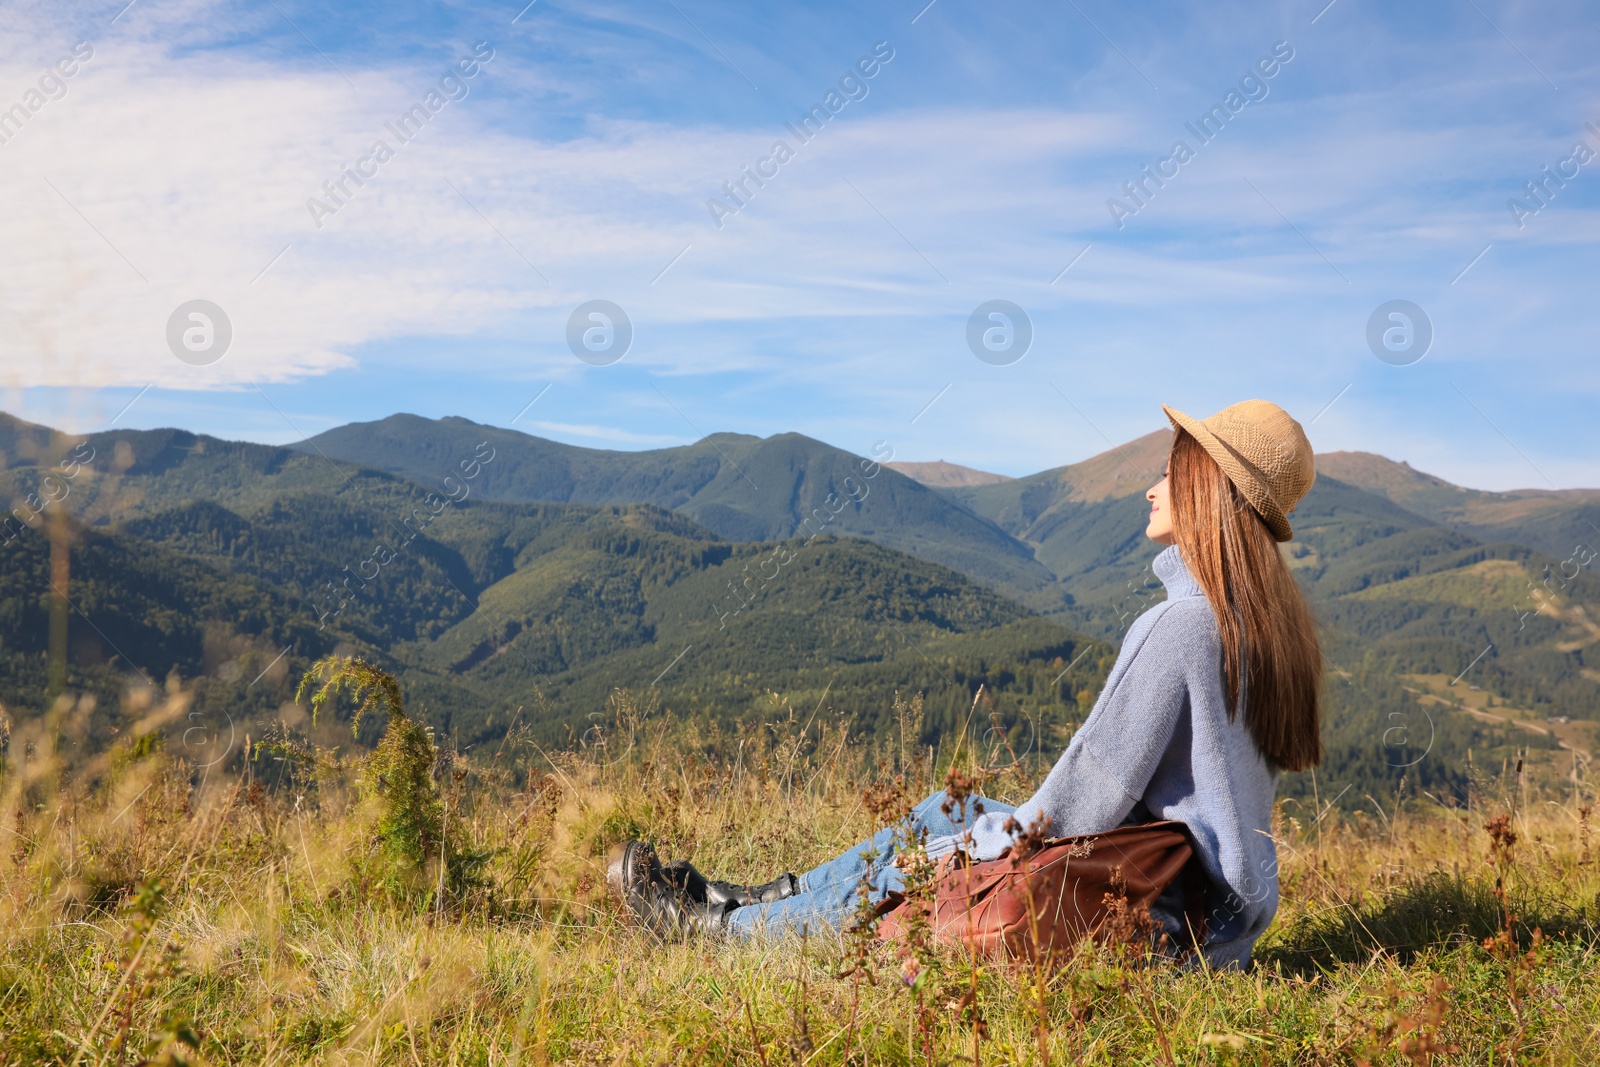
x: 506, y: 577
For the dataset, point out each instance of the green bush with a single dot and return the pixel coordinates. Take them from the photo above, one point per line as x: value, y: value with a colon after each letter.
x: 417, y: 858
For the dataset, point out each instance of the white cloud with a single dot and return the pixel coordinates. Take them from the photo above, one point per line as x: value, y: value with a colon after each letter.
x: 611, y: 433
x: 196, y: 164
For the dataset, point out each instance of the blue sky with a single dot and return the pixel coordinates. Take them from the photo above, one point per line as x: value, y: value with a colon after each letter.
x: 976, y: 164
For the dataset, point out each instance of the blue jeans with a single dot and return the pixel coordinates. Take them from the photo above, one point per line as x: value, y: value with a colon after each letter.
x: 828, y: 894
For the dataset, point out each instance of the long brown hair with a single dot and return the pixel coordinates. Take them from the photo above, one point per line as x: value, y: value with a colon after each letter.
x: 1269, y: 636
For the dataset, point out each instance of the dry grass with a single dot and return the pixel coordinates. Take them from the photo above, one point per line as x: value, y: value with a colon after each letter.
x: 263, y: 944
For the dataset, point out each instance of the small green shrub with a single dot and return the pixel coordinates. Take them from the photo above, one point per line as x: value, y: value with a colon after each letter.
x: 397, y: 780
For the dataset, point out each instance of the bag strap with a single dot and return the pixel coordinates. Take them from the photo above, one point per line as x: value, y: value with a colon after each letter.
x: 1196, y: 902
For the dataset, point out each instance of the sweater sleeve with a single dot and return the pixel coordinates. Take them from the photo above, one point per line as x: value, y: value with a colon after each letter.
x: 1105, y: 769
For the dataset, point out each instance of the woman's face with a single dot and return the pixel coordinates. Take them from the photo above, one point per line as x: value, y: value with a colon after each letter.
x: 1160, y: 527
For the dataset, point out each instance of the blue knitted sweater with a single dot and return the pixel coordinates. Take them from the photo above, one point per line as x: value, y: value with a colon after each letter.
x: 1159, y: 745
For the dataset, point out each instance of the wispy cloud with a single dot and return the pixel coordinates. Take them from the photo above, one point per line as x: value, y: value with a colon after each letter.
x: 609, y: 433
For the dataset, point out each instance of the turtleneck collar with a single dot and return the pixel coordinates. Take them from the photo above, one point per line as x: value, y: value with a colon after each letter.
x: 1168, y: 566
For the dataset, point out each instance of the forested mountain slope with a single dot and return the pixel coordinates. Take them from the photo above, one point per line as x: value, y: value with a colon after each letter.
x: 739, y: 487
x: 222, y: 560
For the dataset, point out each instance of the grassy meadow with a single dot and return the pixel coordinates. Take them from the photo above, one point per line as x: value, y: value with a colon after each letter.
x: 415, y: 906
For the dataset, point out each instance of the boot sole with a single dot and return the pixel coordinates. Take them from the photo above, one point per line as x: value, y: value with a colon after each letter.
x: 630, y: 869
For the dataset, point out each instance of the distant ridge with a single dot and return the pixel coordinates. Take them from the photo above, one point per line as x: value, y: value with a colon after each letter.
x: 1122, y: 470
x: 1372, y: 471
x: 1551, y: 520
x: 941, y: 475
x: 740, y: 487
x: 1404, y: 484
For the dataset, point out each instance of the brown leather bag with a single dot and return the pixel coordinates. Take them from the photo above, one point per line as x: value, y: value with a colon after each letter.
x: 1071, y: 888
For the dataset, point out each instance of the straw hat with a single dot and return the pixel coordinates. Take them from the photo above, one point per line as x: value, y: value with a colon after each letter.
x: 1264, y: 453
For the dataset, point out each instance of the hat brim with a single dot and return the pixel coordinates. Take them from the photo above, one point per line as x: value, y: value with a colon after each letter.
x: 1240, y: 473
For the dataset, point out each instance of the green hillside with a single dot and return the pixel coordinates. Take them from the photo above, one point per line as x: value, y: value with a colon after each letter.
x: 624, y: 606
x: 206, y: 559
x: 673, y: 572
x: 739, y: 487
x: 1483, y: 586
x: 1552, y: 521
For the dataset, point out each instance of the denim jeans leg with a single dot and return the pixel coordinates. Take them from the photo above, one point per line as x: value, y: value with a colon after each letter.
x: 828, y: 893
x: 929, y: 814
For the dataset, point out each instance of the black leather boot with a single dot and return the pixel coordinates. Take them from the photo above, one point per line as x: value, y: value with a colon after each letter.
x: 655, y: 904
x: 696, y: 886
x: 665, y: 912
x: 632, y: 869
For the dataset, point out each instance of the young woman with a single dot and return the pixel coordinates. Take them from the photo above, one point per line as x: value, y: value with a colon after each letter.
x: 1215, y: 692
